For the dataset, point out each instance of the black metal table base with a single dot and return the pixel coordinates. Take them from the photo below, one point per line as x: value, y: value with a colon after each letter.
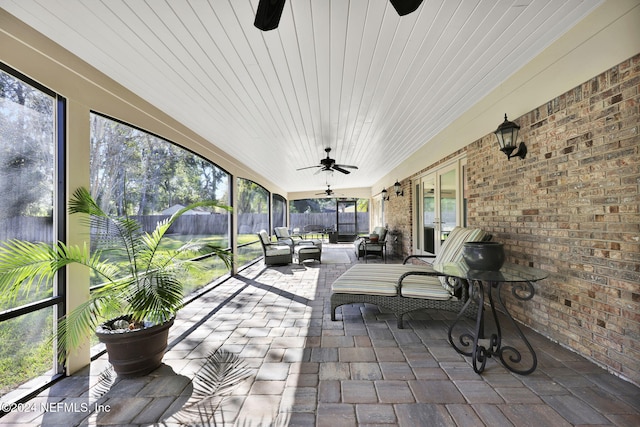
x: 469, y: 344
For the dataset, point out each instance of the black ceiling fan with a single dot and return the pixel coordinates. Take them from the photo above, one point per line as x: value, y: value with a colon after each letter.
x: 328, y: 164
x: 328, y: 192
x: 269, y: 11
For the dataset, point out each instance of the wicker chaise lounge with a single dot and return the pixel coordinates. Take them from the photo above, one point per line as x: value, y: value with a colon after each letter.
x: 403, y: 288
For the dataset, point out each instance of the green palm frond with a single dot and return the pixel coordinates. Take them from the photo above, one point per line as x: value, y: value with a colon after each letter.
x: 109, y: 232
x: 25, y: 266
x: 81, y: 322
x: 83, y: 202
x: 117, y: 234
x: 158, y: 296
x: 224, y: 255
x: 148, y: 289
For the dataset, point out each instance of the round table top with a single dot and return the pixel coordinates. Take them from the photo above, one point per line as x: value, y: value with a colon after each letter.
x: 508, y: 273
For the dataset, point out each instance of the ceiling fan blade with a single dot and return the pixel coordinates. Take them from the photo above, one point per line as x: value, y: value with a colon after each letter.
x: 308, y: 167
x: 268, y: 14
x: 339, y: 169
x: 405, y: 7
x: 328, y: 192
x: 329, y: 165
x: 322, y: 169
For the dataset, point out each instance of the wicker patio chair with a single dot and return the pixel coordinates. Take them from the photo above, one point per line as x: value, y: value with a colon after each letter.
x: 274, y: 252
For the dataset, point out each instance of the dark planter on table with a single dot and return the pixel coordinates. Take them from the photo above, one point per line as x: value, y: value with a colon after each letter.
x: 486, y: 256
x: 137, y: 352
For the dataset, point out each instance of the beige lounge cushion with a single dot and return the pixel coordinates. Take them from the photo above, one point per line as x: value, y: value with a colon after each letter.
x: 274, y: 250
x: 381, y: 232
x: 366, y: 279
x: 264, y: 236
x: 368, y: 287
x: 427, y: 287
x: 374, y: 247
x: 382, y: 279
x: 451, y: 249
x: 306, y: 249
x: 282, y: 232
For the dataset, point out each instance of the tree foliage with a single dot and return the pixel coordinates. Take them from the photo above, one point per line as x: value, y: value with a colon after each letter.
x: 26, y: 149
x: 252, y: 197
x: 150, y: 173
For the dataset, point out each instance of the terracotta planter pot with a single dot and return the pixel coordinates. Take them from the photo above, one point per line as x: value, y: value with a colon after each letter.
x: 137, y: 352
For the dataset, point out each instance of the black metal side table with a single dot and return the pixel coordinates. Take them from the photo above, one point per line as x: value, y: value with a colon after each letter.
x: 520, y: 279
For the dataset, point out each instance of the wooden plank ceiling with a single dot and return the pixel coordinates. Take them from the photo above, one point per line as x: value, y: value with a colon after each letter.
x: 351, y: 75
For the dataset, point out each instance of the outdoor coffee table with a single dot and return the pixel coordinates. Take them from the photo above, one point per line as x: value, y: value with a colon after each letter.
x: 520, y: 279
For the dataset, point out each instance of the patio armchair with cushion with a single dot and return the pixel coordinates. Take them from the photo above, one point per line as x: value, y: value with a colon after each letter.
x: 408, y: 287
x: 274, y: 252
x: 283, y: 236
x: 365, y: 246
x: 303, y: 249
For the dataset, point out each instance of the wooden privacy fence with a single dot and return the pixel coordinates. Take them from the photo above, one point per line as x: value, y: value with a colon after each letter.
x: 32, y: 229
x: 327, y: 220
x: 196, y: 225
x: 40, y: 229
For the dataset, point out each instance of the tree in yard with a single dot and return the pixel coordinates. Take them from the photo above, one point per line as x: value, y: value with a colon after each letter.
x: 155, y: 173
x: 26, y: 149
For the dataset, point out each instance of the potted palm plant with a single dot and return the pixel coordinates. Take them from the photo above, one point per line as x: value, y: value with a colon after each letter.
x: 141, y: 291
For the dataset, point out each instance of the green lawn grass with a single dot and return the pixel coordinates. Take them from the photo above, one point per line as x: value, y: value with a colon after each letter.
x: 26, y: 351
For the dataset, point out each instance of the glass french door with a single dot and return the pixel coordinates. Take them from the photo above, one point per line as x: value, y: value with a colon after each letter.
x: 437, y: 208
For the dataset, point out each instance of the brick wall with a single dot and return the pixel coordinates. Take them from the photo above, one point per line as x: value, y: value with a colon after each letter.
x: 572, y: 208
x: 398, y: 211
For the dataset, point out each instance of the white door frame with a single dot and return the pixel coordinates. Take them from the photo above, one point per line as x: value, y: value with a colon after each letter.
x: 439, y: 226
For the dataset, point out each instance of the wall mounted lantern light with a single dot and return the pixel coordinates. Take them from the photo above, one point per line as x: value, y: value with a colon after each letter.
x: 385, y: 194
x: 397, y: 187
x: 507, y: 134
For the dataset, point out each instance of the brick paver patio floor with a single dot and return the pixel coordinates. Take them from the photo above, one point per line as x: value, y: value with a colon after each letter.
x: 306, y: 370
